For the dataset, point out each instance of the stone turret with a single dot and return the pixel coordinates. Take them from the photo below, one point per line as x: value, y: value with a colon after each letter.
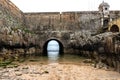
x: 104, y: 9
x: 105, y: 15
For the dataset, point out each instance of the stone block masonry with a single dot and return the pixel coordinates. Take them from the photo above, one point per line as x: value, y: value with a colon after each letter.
x: 11, y: 19
x: 61, y: 26
x: 84, y: 20
x: 9, y: 8
x: 63, y: 21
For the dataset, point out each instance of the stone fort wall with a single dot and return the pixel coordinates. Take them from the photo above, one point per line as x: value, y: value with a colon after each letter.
x: 47, y: 25
x: 84, y: 20
x: 61, y: 26
x: 11, y: 20
x: 79, y: 20
x: 63, y: 21
x: 10, y: 7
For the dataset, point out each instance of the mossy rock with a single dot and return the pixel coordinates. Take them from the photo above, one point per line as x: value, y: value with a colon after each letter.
x: 5, y: 63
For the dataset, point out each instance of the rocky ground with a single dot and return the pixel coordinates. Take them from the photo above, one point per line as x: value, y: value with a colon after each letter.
x: 55, y: 71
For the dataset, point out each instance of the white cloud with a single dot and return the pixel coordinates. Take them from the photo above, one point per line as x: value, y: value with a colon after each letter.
x: 62, y: 5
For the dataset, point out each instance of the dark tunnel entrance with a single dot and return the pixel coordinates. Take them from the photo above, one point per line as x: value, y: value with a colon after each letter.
x: 114, y: 28
x: 53, y: 42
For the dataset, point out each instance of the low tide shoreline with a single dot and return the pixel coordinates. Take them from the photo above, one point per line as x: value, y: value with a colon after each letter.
x: 56, y: 71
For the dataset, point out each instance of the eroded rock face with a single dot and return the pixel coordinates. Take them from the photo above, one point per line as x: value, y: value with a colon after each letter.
x: 84, y: 38
x: 102, y: 48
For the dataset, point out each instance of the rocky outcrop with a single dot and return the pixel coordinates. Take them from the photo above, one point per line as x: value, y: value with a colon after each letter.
x: 84, y: 39
x: 16, y: 42
x: 102, y: 48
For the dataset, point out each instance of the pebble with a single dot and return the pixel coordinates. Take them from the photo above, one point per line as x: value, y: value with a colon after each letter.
x: 18, y: 73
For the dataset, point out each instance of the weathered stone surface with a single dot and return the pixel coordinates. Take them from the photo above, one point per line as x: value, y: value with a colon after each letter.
x: 46, y: 26
x: 62, y: 27
x: 102, y: 48
x: 14, y: 36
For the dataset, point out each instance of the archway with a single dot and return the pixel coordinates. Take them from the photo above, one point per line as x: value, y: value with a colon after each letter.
x: 45, y: 47
x: 114, y: 28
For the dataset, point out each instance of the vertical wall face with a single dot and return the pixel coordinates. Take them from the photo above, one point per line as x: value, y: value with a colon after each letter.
x: 73, y: 21
x: 65, y: 21
x: 11, y: 22
x: 61, y: 26
x: 43, y: 21
x: 10, y: 15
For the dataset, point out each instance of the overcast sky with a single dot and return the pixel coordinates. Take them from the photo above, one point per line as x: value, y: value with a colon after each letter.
x: 62, y: 5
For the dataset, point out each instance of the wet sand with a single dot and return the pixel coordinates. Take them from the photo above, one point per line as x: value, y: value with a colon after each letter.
x: 56, y: 71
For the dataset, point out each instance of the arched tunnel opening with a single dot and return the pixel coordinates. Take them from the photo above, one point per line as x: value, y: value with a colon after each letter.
x: 114, y: 28
x: 53, y: 45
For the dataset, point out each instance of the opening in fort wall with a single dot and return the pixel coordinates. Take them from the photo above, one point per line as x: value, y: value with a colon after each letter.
x: 53, y: 41
x: 114, y: 28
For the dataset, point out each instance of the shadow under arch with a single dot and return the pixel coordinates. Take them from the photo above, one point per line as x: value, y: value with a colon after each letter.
x: 114, y: 28
x: 61, y: 50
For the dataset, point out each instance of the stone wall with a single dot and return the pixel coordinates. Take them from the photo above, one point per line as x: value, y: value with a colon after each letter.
x: 11, y: 22
x: 11, y: 12
x: 18, y: 27
x: 84, y: 20
x: 61, y: 26
x: 14, y: 36
x: 64, y: 21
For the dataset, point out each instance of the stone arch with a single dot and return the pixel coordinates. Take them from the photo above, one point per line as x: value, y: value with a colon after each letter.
x: 61, y: 51
x: 114, y: 28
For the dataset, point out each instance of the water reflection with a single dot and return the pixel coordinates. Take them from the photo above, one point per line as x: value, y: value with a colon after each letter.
x: 53, y: 51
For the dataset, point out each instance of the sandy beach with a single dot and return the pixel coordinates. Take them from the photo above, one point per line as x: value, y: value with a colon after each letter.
x: 56, y: 71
